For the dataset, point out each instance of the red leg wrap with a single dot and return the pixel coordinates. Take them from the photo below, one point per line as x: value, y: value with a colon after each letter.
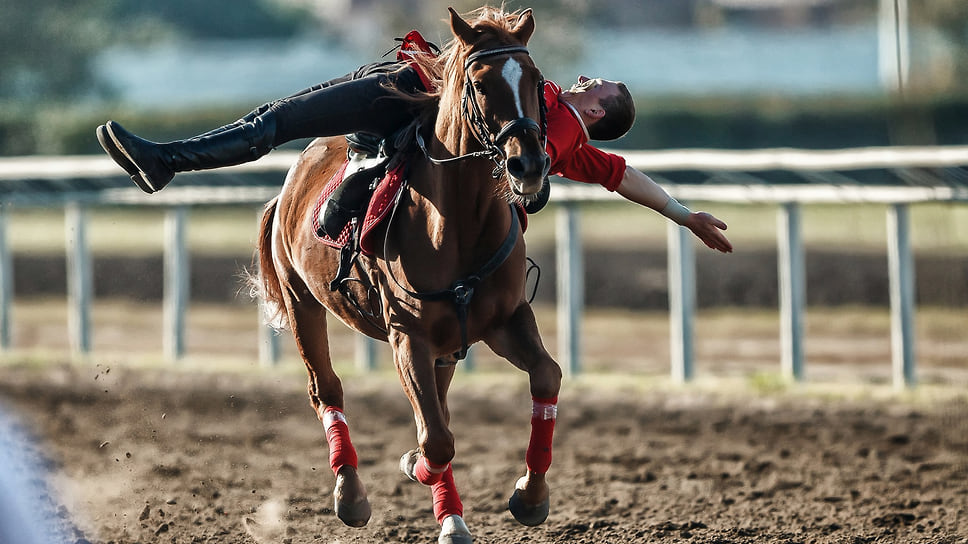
x: 341, y: 451
x: 446, y: 500
x: 428, y: 473
x: 543, y: 415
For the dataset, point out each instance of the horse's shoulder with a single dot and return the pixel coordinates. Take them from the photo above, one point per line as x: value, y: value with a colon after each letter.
x: 321, y: 146
x: 319, y: 154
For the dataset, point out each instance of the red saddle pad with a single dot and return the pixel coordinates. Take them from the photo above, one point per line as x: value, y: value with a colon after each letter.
x: 380, y: 205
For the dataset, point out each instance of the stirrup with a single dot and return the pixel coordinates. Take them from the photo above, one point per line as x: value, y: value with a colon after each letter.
x: 347, y: 255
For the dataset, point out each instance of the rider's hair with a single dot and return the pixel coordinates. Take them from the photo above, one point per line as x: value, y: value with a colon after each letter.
x: 618, y: 119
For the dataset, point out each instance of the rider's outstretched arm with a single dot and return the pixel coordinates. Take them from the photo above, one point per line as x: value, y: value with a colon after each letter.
x: 637, y: 187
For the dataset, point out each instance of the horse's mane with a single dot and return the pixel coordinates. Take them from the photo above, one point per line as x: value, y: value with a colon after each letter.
x: 446, y: 70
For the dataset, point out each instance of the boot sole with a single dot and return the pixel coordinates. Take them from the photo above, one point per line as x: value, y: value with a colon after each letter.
x: 108, y: 141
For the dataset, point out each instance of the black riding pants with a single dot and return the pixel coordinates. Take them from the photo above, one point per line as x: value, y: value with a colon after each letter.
x: 361, y: 101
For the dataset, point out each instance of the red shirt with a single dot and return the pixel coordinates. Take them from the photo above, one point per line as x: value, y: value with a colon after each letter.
x: 571, y: 156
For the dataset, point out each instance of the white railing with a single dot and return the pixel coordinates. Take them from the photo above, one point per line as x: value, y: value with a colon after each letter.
x: 827, y: 174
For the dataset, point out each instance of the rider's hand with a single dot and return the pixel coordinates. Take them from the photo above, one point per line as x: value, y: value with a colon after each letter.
x: 710, y: 230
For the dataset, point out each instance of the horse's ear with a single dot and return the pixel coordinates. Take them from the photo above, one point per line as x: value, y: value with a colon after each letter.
x: 461, y: 29
x: 524, y: 28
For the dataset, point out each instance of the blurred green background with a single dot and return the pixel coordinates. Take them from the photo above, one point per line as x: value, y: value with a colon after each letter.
x: 707, y: 73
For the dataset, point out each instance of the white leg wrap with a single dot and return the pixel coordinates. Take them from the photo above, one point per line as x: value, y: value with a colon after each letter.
x: 541, y: 410
x: 332, y: 416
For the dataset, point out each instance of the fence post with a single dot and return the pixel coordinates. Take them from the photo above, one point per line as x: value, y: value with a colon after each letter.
x: 571, y: 286
x: 78, y: 278
x: 682, y: 301
x: 469, y: 364
x: 901, y: 268
x: 365, y: 353
x: 6, y: 282
x: 268, y: 339
x: 792, y: 290
x: 176, y: 282
x: 269, y: 348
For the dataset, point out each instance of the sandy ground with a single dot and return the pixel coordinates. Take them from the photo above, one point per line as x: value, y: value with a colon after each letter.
x: 215, y: 449
x: 176, y: 455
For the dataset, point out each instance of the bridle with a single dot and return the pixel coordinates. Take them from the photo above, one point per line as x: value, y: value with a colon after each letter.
x: 462, y: 291
x: 471, y: 112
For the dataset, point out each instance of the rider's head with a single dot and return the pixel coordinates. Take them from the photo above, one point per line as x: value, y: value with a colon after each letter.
x: 605, y: 106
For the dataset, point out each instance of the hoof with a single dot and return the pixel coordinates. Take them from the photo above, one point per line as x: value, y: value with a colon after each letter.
x: 408, y: 463
x: 454, y: 531
x: 354, y: 515
x: 528, y: 514
x: 349, y: 497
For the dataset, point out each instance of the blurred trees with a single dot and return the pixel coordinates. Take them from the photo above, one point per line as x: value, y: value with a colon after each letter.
x: 47, y: 46
x: 950, y: 18
x: 49, y: 95
x: 211, y: 19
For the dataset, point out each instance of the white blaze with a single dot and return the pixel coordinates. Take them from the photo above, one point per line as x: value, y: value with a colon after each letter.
x: 512, y: 73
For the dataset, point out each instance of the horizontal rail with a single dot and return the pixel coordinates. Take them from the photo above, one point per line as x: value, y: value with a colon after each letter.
x: 778, y: 194
x: 860, y: 158
x: 43, y: 181
x: 100, y: 166
x: 563, y: 191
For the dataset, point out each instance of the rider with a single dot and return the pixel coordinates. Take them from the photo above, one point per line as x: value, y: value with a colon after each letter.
x: 372, y: 100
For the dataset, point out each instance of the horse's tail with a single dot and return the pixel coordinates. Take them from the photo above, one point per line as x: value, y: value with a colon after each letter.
x: 266, y: 284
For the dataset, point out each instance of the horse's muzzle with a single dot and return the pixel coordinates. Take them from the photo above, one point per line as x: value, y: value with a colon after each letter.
x: 527, y: 163
x: 526, y: 172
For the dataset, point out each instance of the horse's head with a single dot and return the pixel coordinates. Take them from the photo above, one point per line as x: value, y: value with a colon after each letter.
x: 503, y: 99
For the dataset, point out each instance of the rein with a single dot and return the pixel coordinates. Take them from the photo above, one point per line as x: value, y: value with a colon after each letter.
x: 471, y: 111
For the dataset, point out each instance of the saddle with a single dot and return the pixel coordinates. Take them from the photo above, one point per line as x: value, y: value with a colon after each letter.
x: 366, y: 164
x: 361, y: 193
x: 364, y: 189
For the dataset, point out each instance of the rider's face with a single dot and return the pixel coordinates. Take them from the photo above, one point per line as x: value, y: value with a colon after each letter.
x: 590, y: 92
x: 584, y: 84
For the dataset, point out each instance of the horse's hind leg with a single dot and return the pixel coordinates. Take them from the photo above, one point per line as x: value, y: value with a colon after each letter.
x: 519, y: 342
x: 307, y: 319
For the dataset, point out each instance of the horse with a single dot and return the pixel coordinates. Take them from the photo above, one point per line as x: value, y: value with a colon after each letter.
x: 450, y: 270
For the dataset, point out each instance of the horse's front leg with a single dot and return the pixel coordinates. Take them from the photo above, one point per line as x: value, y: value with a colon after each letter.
x: 415, y: 367
x: 426, y: 384
x: 448, y: 508
x: 519, y: 342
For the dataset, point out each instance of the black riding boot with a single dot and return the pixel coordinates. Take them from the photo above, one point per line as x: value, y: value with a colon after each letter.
x: 152, y: 165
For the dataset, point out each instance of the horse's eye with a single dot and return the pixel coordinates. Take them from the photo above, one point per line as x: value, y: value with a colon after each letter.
x: 479, y: 87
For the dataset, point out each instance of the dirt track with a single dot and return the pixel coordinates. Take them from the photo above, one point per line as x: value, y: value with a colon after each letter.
x: 175, y: 456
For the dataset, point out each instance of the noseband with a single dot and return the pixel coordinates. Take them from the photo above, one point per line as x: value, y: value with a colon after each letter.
x: 471, y: 111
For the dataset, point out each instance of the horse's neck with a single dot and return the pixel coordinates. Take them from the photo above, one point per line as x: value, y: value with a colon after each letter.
x: 462, y: 204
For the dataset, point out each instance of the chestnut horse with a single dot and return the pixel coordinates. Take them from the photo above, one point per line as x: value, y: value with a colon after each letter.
x: 449, y: 270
